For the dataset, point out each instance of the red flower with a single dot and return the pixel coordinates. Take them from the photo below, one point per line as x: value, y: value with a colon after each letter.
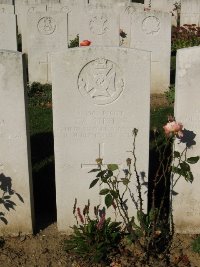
x: 85, y: 43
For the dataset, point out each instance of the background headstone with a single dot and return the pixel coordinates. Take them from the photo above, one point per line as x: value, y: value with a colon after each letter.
x: 100, y: 25
x: 186, y: 205
x: 8, y: 34
x: 152, y: 31
x: 164, y: 6
x: 6, y: 9
x: 6, y: 2
x: 108, y: 98
x: 23, y: 12
x: 47, y: 33
x: 190, y: 12
x: 15, y: 166
x: 125, y: 21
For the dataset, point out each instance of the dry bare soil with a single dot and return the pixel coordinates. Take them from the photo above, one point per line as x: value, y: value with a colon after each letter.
x: 45, y: 249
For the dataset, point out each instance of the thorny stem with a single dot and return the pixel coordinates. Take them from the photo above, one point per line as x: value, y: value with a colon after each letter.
x: 137, y: 176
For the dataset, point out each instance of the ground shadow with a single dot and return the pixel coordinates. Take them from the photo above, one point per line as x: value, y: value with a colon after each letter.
x: 163, y: 187
x: 43, y: 172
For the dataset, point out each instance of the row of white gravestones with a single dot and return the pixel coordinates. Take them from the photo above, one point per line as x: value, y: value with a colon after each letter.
x: 147, y: 30
x: 99, y: 82
x: 190, y: 12
x: 15, y: 166
x: 186, y: 205
x: 72, y: 8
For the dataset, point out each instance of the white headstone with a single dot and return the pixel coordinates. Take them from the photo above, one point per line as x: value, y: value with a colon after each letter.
x: 6, y: 9
x: 186, y: 205
x: 68, y: 8
x: 47, y: 33
x: 8, y: 34
x: 125, y: 22
x: 164, y: 6
x: 100, y: 25
x: 108, y: 98
x: 6, y: 2
x: 15, y: 164
x: 108, y: 2
x: 190, y: 12
x: 152, y: 31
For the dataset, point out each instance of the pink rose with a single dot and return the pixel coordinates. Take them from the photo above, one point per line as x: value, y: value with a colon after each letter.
x: 85, y: 43
x: 173, y: 128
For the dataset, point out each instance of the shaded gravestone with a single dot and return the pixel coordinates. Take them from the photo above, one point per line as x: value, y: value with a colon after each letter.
x: 190, y: 12
x: 47, y: 33
x: 15, y: 166
x: 108, y: 98
x: 186, y: 205
x: 152, y: 31
x: 8, y: 34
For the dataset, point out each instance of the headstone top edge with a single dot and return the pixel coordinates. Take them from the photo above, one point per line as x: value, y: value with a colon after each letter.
x: 93, y: 48
x: 10, y: 51
x: 183, y: 50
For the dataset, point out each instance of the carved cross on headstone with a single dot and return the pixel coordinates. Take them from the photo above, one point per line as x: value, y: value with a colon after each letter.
x: 47, y: 67
x: 94, y: 165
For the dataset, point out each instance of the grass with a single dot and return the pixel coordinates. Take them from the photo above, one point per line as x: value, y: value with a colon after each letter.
x: 40, y: 120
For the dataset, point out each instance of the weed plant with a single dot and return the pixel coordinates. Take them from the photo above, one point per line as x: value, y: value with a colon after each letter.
x: 151, y: 231
x: 74, y: 43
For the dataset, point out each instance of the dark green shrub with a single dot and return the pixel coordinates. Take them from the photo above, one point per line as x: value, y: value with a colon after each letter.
x: 40, y: 94
x: 196, y: 245
x: 74, y: 43
x: 185, y: 36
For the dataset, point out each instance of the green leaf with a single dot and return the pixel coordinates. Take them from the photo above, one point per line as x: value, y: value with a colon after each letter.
x: 104, y: 191
x: 125, y: 181
x: 94, y: 182
x: 4, y: 220
x: 193, y: 160
x: 108, y: 200
x: 101, y: 173
x: 112, y: 167
x: 20, y: 197
x: 94, y: 170
x: 189, y: 177
x: 177, y: 170
x: 184, y: 166
x: 141, y: 216
x: 108, y: 174
x: 177, y: 154
x: 115, y: 194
